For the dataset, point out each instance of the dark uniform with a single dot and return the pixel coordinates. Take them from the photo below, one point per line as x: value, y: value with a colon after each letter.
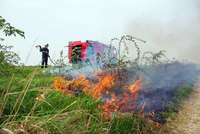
x: 74, y: 57
x: 45, y: 55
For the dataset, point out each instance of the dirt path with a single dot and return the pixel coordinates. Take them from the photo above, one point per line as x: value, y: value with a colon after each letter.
x: 188, y: 119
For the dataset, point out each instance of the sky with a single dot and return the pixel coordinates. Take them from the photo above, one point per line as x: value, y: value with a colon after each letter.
x: 171, y: 25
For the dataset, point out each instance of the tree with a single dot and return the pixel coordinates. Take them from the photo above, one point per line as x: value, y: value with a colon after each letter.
x: 7, y: 56
x: 9, y: 30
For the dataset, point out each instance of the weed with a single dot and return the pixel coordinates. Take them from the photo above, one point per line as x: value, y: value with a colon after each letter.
x: 181, y: 93
x: 30, y: 104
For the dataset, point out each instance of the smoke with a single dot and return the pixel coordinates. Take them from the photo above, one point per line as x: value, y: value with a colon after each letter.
x: 164, y: 80
x: 160, y: 82
x: 74, y: 70
x: 174, y: 28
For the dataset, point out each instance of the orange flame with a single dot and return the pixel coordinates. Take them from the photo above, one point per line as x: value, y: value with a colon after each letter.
x: 106, y: 87
x: 143, y: 105
x: 122, y: 103
x: 72, y: 86
x: 103, y: 86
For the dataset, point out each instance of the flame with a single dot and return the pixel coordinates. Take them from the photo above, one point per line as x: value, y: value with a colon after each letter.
x: 123, y: 102
x: 143, y: 105
x: 106, y: 88
x: 103, y: 86
x: 72, y: 86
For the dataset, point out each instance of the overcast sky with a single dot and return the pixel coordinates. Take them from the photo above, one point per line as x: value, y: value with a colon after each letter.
x: 171, y: 25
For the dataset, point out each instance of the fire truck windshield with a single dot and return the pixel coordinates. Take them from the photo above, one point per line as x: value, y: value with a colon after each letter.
x: 90, y: 51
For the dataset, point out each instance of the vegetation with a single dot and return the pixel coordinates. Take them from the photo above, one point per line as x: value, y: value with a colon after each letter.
x: 181, y: 93
x: 8, y: 58
x: 29, y: 102
x: 9, y: 30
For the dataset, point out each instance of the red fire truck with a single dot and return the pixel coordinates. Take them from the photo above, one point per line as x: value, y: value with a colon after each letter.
x: 89, y: 50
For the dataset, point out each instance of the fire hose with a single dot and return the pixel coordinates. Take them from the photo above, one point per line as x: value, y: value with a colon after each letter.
x: 49, y: 56
x: 52, y: 61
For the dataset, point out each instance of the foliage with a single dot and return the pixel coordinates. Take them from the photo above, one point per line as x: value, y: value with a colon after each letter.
x: 184, y: 91
x: 121, y: 60
x: 8, y: 57
x: 181, y: 93
x: 60, y: 62
x: 154, y: 59
x: 121, y: 65
x: 125, y: 124
x: 61, y: 68
x: 9, y: 30
x: 30, y: 104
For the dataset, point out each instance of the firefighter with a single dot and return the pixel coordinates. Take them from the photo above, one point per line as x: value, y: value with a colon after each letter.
x: 45, y: 55
x: 74, y: 57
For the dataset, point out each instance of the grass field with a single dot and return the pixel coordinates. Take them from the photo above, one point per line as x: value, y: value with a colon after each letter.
x: 30, y: 104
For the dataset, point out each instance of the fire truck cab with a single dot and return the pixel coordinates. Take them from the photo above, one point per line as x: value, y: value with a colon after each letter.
x: 89, y: 49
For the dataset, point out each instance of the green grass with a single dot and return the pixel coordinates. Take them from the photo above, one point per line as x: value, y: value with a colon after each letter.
x: 23, y: 107
x: 184, y: 91
x: 181, y: 93
x: 29, y: 102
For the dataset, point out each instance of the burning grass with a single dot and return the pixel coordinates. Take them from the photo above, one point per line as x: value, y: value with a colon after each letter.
x: 148, y: 90
x: 118, y: 95
x: 124, y: 98
x: 30, y: 103
x: 38, y: 108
